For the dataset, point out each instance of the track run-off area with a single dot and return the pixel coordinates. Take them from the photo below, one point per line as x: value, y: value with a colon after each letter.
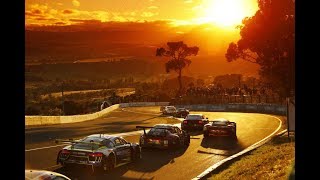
x: 185, y: 163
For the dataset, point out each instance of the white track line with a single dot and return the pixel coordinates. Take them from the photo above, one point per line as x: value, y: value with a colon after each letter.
x: 255, y: 145
x: 44, y: 148
x: 119, y: 134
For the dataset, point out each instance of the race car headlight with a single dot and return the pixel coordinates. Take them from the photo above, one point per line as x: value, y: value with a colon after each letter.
x: 142, y: 141
x: 204, y: 128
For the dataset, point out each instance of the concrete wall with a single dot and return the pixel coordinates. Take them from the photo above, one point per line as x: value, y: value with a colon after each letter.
x: 139, y: 104
x: 47, y: 120
x: 257, y: 108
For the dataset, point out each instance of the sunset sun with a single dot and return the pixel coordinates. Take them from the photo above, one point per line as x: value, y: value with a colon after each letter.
x: 227, y: 12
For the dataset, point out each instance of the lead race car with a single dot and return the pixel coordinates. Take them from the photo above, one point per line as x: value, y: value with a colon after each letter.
x: 101, y: 152
x: 163, y: 136
x: 220, y: 127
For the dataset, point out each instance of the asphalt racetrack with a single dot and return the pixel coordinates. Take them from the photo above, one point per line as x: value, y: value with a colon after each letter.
x: 185, y: 163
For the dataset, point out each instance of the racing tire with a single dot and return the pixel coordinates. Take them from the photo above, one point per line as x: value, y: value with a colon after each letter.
x: 110, y: 163
x: 205, y: 135
x: 187, y: 140
x: 135, y: 155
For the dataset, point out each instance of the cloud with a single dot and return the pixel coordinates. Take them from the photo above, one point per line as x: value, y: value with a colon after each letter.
x: 188, y: 1
x: 45, y: 19
x: 76, y: 3
x: 60, y: 23
x: 86, y: 21
x: 148, y: 14
x: 67, y: 11
x: 153, y: 7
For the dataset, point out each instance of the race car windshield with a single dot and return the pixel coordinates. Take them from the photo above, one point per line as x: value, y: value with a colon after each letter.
x: 157, y: 132
x: 194, y: 117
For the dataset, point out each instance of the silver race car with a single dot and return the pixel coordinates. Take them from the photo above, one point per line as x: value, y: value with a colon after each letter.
x: 101, y: 152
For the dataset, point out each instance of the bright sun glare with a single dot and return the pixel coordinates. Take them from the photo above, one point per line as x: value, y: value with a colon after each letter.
x: 227, y: 12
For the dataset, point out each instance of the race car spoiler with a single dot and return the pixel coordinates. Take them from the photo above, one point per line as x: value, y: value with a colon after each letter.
x: 145, y: 127
x: 73, y: 142
x: 219, y: 121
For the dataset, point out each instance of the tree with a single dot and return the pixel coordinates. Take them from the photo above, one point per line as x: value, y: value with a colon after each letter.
x: 268, y: 39
x: 178, y: 53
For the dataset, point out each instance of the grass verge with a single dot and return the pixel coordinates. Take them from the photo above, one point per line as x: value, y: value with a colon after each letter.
x: 274, y: 160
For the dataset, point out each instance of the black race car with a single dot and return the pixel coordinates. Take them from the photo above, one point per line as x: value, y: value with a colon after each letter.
x: 182, y: 112
x: 220, y: 127
x: 101, y: 152
x: 163, y: 136
x: 194, y: 122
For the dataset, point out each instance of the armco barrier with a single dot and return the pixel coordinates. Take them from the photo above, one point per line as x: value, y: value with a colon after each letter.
x: 47, y: 120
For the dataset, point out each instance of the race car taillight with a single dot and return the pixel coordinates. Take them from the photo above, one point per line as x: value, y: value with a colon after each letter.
x: 185, y: 122
x: 96, y: 154
x: 200, y: 122
x: 64, y: 153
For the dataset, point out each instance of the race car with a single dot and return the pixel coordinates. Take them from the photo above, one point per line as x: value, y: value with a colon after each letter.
x: 194, y: 122
x: 163, y: 136
x: 168, y: 110
x: 220, y: 127
x: 43, y: 175
x: 182, y: 112
x: 101, y: 152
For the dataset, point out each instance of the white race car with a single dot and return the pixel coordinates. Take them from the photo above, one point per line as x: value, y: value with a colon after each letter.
x: 99, y: 151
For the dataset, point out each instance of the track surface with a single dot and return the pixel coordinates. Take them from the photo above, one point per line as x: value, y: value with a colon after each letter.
x: 156, y: 164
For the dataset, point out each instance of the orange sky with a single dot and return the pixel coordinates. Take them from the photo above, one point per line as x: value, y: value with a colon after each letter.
x: 65, y: 12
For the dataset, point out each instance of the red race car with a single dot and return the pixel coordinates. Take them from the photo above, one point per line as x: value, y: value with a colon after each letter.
x: 220, y: 127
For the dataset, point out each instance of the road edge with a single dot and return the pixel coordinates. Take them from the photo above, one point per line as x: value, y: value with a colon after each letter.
x: 209, y: 170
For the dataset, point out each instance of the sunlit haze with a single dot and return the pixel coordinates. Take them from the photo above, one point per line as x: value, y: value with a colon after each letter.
x: 65, y: 12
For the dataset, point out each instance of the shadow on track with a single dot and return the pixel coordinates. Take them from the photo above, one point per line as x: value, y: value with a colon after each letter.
x: 152, y: 160
x: 224, y: 146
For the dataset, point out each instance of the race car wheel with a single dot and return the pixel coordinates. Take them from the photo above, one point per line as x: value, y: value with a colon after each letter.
x: 205, y: 135
x: 135, y: 155
x: 110, y: 163
x: 187, y: 141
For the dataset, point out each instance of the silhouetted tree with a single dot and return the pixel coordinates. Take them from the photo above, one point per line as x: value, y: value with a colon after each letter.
x: 178, y: 53
x: 268, y: 39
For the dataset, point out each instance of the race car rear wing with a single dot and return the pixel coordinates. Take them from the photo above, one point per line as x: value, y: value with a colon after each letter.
x: 219, y: 121
x: 145, y: 127
x: 73, y: 142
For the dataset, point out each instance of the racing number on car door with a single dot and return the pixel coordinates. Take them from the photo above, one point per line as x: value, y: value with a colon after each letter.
x: 126, y: 150
x: 122, y: 150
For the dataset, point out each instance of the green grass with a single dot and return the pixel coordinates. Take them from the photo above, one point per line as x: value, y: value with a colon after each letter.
x: 273, y: 160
